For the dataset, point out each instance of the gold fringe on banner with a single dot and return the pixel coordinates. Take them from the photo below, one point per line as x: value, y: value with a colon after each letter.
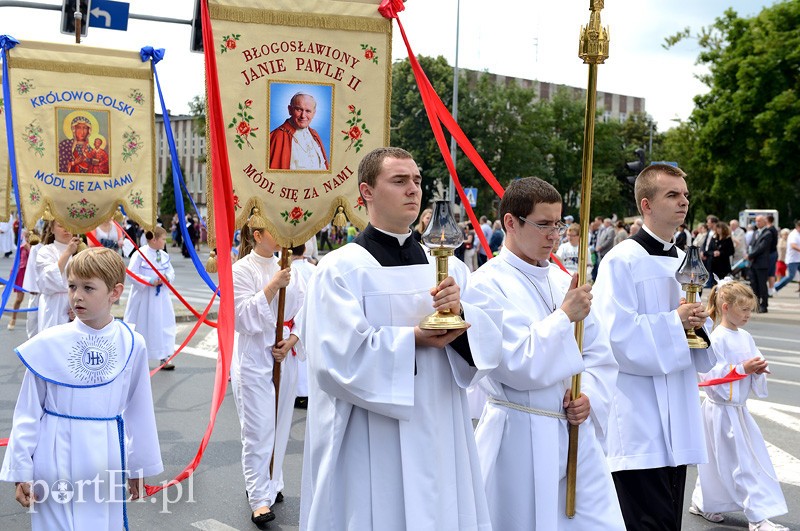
x: 282, y: 18
x: 70, y: 68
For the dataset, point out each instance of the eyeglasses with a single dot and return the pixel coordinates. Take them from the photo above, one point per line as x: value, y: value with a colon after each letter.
x: 547, y: 230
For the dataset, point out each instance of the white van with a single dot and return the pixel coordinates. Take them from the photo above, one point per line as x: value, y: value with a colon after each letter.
x: 748, y: 217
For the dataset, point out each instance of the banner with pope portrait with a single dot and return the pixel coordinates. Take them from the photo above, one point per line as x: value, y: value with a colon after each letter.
x: 84, y: 134
x: 305, y: 88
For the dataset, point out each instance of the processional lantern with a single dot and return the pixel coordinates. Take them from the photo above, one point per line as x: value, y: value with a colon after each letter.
x: 442, y: 237
x: 692, y: 275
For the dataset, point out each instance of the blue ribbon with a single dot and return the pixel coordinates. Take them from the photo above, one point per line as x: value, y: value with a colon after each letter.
x: 156, y: 55
x: 121, y: 435
x: 7, y: 42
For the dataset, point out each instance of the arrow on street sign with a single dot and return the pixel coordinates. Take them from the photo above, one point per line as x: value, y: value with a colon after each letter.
x: 108, y: 14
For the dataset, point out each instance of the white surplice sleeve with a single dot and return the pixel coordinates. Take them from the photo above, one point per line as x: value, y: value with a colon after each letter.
x: 51, y: 279
x: 485, y: 317
x: 18, y: 461
x: 141, y: 441
x: 758, y: 382
x: 644, y: 344
x: 599, y: 378
x: 353, y: 361
x: 253, y: 312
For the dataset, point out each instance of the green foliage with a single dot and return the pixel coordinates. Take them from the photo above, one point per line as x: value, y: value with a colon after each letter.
x: 748, y: 124
x: 166, y: 203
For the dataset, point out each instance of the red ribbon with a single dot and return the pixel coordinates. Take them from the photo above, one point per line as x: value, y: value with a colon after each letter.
x: 91, y: 237
x: 223, y: 189
x: 190, y: 336
x: 732, y: 376
x: 439, y: 114
x: 164, y: 281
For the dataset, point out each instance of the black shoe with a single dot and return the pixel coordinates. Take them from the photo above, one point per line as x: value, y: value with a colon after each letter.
x: 262, y: 519
x: 761, y: 310
x: 301, y: 402
x: 279, y: 498
x: 167, y: 366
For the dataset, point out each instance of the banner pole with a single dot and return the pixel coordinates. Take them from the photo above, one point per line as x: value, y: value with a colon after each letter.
x: 286, y: 253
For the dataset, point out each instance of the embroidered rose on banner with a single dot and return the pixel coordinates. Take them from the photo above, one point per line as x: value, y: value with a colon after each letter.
x: 131, y: 145
x: 35, y: 195
x: 357, y: 129
x: 359, y: 203
x: 241, y: 123
x: 296, y: 215
x: 82, y: 209
x: 1, y: 106
x: 370, y: 53
x: 33, y: 137
x: 137, y: 96
x: 229, y: 42
x: 236, y: 204
x: 25, y: 86
x: 135, y: 199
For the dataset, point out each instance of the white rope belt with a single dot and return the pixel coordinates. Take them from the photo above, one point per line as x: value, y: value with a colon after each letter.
x: 526, y: 409
x: 729, y: 404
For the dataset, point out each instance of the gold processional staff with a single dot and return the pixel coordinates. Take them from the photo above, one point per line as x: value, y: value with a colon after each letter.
x: 593, y: 49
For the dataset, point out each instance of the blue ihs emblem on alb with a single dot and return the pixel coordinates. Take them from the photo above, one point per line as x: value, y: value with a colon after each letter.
x: 92, y: 359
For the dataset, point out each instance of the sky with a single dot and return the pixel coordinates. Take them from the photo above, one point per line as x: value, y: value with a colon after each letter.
x: 521, y: 38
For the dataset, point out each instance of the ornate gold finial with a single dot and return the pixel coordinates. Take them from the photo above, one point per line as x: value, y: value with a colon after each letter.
x: 593, y: 47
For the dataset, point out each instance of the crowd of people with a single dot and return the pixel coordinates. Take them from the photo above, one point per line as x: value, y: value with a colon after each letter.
x: 389, y: 441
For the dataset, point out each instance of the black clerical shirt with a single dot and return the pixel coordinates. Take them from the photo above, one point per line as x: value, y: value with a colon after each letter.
x: 386, y: 249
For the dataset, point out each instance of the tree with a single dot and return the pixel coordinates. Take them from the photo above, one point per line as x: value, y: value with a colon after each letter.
x: 748, y: 125
x: 166, y: 203
x: 197, y: 108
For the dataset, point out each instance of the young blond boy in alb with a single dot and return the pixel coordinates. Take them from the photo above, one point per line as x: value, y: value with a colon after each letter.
x: 84, y: 424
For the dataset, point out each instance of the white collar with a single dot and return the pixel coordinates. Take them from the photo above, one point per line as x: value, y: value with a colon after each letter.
x: 538, y: 271
x: 667, y: 245
x: 401, y: 238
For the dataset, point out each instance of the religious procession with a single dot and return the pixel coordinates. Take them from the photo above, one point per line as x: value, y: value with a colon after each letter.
x: 391, y: 359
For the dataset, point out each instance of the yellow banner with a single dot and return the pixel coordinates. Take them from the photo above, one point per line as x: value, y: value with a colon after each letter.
x: 84, y: 133
x: 306, y: 91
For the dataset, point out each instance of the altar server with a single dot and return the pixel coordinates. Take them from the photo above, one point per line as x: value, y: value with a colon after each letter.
x: 257, y: 279
x: 84, y: 426
x: 51, y: 263
x: 389, y: 442
x: 739, y: 475
x: 655, y: 428
x: 30, y: 283
x: 523, y: 433
x: 150, y: 305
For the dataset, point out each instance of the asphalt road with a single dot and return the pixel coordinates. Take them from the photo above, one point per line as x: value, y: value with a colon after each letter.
x: 213, y: 498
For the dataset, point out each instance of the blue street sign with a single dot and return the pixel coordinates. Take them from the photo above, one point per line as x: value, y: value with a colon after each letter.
x: 472, y: 196
x: 109, y: 15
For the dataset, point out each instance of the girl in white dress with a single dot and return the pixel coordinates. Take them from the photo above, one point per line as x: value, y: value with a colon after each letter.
x: 739, y: 475
x: 51, y: 263
x: 150, y: 306
x: 257, y: 278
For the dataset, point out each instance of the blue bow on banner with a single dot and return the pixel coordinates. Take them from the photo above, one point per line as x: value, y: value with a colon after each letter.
x: 7, y: 42
x: 156, y: 55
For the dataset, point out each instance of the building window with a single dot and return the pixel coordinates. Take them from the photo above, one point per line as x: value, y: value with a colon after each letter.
x: 623, y: 104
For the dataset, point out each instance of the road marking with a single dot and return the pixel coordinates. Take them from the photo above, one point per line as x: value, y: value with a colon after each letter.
x: 770, y: 411
x: 783, y: 382
x: 194, y: 351
x: 209, y: 342
x: 782, y: 350
x: 213, y: 525
x: 777, y: 339
x: 783, y: 363
x: 787, y: 466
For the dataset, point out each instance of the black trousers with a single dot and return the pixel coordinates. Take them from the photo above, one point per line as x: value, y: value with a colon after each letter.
x: 758, y: 281
x: 651, y: 499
